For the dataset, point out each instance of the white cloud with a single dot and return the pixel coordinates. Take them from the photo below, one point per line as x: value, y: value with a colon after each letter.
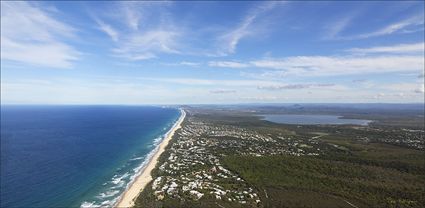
x: 183, y: 63
x: 52, y: 54
x: 30, y: 35
x: 360, y: 80
x: 260, y: 98
x: 230, y: 39
x: 293, y: 86
x: 333, y: 30
x: 145, y: 30
x: 222, y: 91
x: 131, y: 90
x: 420, y: 89
x: 401, y: 48
x: 80, y: 91
x: 227, y: 64
x: 281, y: 87
x: 147, y: 45
x: 215, y: 82
x: 379, y: 95
x: 412, y: 24
x: 111, y: 32
x: 406, y: 58
x: 132, y: 16
x: 137, y: 39
x: 187, y: 63
x: 342, y: 65
x: 405, y: 88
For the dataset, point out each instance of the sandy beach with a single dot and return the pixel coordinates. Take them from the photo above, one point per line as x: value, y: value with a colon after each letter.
x: 128, y: 197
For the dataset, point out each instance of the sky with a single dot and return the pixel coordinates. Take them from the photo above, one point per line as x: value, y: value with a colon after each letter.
x: 212, y: 52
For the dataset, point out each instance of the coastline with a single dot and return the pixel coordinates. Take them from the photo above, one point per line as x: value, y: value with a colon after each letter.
x: 144, y: 177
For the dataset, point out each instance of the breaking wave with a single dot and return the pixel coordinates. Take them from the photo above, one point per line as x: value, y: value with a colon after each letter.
x: 121, y: 181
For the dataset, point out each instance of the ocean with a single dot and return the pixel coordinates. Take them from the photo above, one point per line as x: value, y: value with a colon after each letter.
x: 75, y: 156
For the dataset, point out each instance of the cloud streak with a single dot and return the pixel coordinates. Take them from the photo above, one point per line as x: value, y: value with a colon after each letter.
x: 292, y: 86
x: 231, y: 38
x: 141, y: 40
x: 333, y: 65
x: 108, y: 29
x: 31, y: 35
x: 342, y: 65
x: 227, y: 64
x: 147, y: 45
x: 222, y: 91
x: 401, y: 48
x: 333, y: 30
x: 411, y: 24
x: 420, y: 89
x: 146, y: 30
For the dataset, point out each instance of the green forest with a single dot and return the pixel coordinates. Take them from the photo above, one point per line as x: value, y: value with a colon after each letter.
x: 361, y: 178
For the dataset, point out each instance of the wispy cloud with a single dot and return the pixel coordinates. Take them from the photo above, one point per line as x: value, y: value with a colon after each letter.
x: 183, y: 63
x: 215, y: 82
x: 222, y: 91
x: 334, y: 29
x: 260, y: 98
x: 81, y: 91
x: 420, y: 89
x: 412, y: 24
x: 329, y: 65
x: 401, y: 48
x: 146, y: 45
x: 292, y: 86
x: 359, y: 80
x: 227, y: 64
x: 131, y: 15
x: 188, y: 63
x: 342, y: 65
x: 230, y: 39
x: 281, y: 87
x: 375, y: 60
x: 139, y: 38
x: 106, y: 28
x: 31, y: 35
x: 144, y: 30
x: 405, y: 87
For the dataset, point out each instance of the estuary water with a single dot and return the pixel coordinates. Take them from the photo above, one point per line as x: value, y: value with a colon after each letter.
x: 313, y: 119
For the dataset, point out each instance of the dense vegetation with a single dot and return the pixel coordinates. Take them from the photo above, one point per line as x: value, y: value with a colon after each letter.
x: 365, y: 178
x: 382, y: 165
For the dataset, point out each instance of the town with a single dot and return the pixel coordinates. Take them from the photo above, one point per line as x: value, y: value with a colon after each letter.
x: 193, y: 170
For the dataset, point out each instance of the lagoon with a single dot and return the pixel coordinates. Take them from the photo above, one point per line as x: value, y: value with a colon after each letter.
x: 313, y: 119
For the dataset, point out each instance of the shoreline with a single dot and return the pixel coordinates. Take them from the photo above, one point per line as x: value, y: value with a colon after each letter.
x: 144, y: 176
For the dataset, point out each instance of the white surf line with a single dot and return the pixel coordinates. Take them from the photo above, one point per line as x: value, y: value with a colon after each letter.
x: 144, y: 176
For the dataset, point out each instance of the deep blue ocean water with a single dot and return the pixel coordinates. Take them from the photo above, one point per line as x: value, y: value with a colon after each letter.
x: 313, y: 119
x: 62, y: 156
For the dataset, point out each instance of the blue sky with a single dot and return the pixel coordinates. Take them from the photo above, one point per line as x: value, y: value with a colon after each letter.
x: 211, y: 52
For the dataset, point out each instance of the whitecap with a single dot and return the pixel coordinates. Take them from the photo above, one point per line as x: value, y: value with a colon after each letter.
x: 116, y: 180
x: 108, y: 194
x: 107, y: 202
x: 88, y: 205
x: 137, y: 158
